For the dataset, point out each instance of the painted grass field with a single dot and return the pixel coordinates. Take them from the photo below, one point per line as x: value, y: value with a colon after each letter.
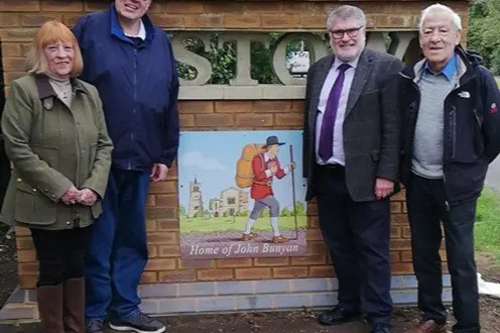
x: 201, y: 225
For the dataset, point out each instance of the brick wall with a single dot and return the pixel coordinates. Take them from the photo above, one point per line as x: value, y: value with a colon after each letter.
x: 18, y: 21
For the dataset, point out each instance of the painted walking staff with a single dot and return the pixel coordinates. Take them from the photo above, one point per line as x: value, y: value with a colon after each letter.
x: 258, y: 175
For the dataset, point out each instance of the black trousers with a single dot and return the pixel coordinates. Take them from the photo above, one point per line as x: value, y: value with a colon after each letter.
x: 426, y: 209
x: 60, y: 253
x: 358, y: 237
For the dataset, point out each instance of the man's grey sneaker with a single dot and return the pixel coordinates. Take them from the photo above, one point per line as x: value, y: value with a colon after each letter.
x: 139, y: 323
x: 94, y: 326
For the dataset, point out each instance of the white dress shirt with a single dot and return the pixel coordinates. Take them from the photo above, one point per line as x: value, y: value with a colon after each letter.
x: 338, y: 156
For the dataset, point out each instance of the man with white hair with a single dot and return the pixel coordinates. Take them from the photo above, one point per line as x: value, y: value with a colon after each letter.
x: 450, y: 133
x: 351, y: 151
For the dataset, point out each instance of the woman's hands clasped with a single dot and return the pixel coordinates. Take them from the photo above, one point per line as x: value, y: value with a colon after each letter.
x: 85, y: 197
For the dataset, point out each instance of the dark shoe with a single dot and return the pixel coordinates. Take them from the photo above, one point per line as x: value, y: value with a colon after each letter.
x: 428, y: 326
x: 95, y: 326
x: 50, y: 307
x: 338, y: 315
x: 139, y: 323
x: 381, y: 328
x: 74, y: 306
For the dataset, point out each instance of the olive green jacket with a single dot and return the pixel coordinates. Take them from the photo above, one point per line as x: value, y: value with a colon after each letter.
x: 53, y: 147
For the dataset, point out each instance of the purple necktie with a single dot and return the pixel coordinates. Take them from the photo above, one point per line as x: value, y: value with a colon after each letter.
x: 325, y: 150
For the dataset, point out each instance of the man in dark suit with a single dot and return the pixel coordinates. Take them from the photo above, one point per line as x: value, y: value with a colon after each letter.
x: 351, y: 162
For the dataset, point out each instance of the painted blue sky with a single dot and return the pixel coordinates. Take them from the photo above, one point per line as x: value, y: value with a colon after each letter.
x: 211, y: 157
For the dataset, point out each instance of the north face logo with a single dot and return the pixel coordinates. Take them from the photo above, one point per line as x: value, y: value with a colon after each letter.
x: 493, y: 109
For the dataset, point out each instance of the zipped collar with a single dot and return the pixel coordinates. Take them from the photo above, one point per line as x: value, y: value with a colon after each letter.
x: 466, y: 62
x: 117, y: 30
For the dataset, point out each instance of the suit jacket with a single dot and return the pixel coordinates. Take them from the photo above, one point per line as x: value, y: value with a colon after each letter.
x: 371, y: 125
x: 262, y: 184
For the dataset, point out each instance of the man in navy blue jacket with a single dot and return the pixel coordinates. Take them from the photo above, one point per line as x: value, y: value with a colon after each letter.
x: 450, y: 134
x: 131, y: 63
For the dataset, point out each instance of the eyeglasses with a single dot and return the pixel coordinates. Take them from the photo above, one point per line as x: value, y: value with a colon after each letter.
x: 339, y: 34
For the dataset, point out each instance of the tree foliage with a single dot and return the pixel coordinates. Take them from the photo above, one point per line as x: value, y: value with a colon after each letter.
x: 483, y: 33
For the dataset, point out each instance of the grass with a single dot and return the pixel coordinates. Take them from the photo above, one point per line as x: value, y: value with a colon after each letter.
x: 487, y: 229
x: 200, y: 225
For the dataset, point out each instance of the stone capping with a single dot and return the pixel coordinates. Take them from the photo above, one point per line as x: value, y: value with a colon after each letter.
x: 259, y: 92
x: 230, y: 297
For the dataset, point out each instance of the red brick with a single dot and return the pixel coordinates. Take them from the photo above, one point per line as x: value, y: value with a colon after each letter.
x: 203, y: 263
x: 395, y: 256
x: 395, y: 207
x: 14, y: 64
x: 215, y: 274
x: 321, y: 271
x: 312, y: 209
x: 406, y: 256
x: 253, y: 273
x: 316, y: 247
x: 26, y: 256
x: 272, y: 106
x: 203, y: 21
x: 11, y: 50
x: 160, y: 264
x: 186, y: 275
x: 9, y: 20
x: 214, y: 120
x: 28, y: 268
x: 149, y: 277
x: 405, y: 209
x: 263, y: 7
x: 402, y: 268
x: 242, y: 21
x: 280, y: 21
x: 271, y: 261
x: 298, y: 106
x: 168, y: 225
x: 62, y: 5
x: 314, y: 234
x: 163, y: 187
x: 313, y: 259
x: 406, y: 232
x: 395, y: 232
x: 224, y: 7
x: 20, y: 231
x: 19, y: 6
x: 400, y: 196
x: 186, y: 120
x: 172, y: 250
x: 168, y: 20
x: 162, y: 238
x: 302, y: 7
x: 400, y: 244
x: 289, y: 119
x: 313, y: 21
x: 28, y: 281
x: 151, y: 201
x: 71, y: 19
x: 166, y: 200
x: 91, y: 6
x: 24, y: 243
x: 290, y: 272
x: 184, y: 7
x: 152, y: 251
x: 254, y: 120
x: 16, y: 35
x: 399, y: 219
x: 236, y: 262
x: 233, y: 106
x: 151, y: 225
x: 313, y: 222
x: 188, y: 107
